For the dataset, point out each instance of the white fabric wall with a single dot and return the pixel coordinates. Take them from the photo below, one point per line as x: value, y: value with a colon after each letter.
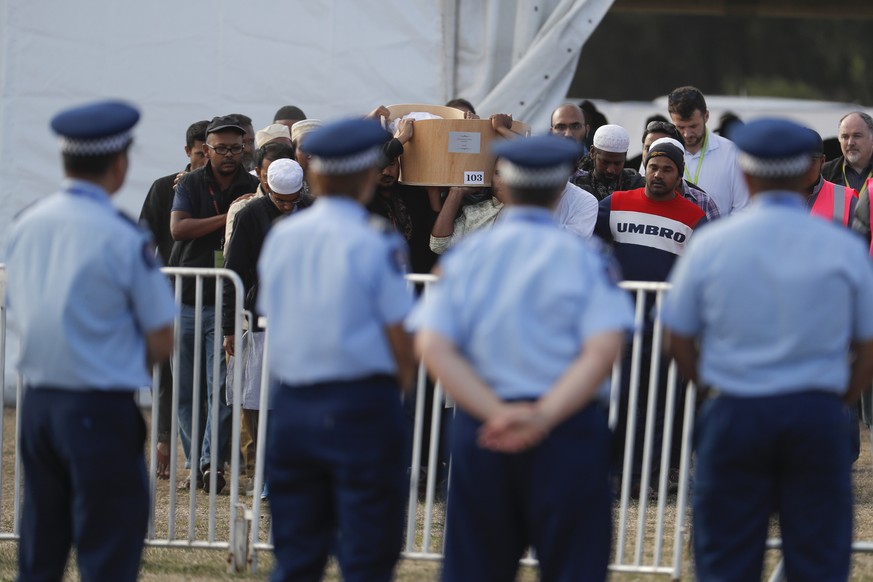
x: 182, y: 61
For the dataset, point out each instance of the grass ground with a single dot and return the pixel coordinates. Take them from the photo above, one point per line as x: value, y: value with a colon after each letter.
x: 196, y: 565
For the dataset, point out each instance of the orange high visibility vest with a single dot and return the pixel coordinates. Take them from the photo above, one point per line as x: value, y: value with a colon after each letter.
x: 834, y: 202
x: 870, y: 185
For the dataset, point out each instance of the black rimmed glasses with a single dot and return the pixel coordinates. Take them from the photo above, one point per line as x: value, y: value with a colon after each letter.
x: 223, y: 150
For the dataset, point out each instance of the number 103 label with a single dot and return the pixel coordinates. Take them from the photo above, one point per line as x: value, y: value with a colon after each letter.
x: 474, y: 178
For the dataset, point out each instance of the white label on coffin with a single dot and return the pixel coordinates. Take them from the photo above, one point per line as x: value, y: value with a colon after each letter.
x: 465, y: 142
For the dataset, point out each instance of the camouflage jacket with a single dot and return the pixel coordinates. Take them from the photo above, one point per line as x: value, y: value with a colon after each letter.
x: 584, y: 178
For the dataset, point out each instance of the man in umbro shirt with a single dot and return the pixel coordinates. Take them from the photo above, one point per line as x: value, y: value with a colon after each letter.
x: 648, y: 228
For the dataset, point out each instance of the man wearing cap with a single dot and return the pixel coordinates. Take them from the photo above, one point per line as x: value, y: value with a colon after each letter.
x: 93, y: 313
x: 710, y: 159
x: 602, y: 172
x: 197, y: 224
x: 530, y: 437
x: 655, y: 131
x: 155, y: 214
x: 284, y: 195
x: 648, y: 229
x: 277, y: 134
x: 767, y: 335
x: 333, y: 292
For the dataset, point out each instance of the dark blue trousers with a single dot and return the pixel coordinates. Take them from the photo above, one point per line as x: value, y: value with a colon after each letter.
x: 786, y: 454
x: 85, y: 484
x: 337, y: 477
x: 554, y: 497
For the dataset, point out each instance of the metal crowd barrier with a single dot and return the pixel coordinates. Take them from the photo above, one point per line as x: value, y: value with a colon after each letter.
x: 650, y: 532
x: 189, y: 538
x: 171, y: 537
x: 643, y: 552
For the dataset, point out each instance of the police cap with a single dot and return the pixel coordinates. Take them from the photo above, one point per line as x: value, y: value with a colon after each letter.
x: 95, y: 129
x: 543, y: 161
x: 224, y: 123
x: 346, y: 147
x: 774, y: 148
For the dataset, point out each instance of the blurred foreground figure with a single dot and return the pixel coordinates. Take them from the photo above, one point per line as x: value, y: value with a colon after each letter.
x: 775, y: 328
x: 522, y: 329
x: 93, y: 312
x: 333, y: 293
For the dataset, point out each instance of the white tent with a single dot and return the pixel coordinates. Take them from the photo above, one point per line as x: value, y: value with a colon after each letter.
x: 182, y: 61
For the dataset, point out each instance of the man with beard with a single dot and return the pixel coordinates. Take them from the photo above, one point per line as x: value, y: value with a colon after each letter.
x: 568, y: 120
x: 409, y: 210
x: 197, y: 224
x: 248, y: 157
x: 710, y: 160
x: 656, y: 131
x: 855, y: 166
x: 281, y: 194
x: 602, y: 172
x: 648, y: 229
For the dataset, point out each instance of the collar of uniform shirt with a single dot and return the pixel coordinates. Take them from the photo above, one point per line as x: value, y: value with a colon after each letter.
x: 778, y: 198
x: 86, y: 189
x: 528, y: 213
x: 343, y: 204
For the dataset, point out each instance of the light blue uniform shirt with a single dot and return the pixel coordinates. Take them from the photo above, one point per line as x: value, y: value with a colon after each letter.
x: 520, y: 300
x: 775, y: 296
x: 82, y: 289
x: 331, y: 281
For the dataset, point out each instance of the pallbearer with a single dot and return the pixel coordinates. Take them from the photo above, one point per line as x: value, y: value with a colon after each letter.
x: 522, y: 329
x: 333, y: 293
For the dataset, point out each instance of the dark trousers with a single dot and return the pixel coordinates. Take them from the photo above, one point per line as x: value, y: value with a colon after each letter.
x: 85, y: 484
x: 786, y: 454
x: 337, y: 472
x: 555, y: 497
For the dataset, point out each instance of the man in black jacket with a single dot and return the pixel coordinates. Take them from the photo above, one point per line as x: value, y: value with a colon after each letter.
x: 197, y: 224
x: 282, y: 184
x: 155, y: 214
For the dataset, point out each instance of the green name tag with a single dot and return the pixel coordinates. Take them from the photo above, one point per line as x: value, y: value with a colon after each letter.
x: 219, y: 260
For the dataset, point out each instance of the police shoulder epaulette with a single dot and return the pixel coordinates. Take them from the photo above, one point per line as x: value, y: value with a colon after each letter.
x: 128, y: 219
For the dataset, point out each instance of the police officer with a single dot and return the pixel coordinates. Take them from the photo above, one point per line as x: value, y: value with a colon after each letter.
x: 522, y: 329
x: 333, y: 293
x: 93, y: 314
x: 764, y: 310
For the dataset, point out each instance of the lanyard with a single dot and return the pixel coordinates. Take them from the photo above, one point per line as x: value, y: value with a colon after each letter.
x: 699, y: 162
x: 863, y: 186
x: 214, y: 203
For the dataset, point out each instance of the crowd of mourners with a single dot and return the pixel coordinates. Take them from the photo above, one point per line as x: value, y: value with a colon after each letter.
x: 767, y: 311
